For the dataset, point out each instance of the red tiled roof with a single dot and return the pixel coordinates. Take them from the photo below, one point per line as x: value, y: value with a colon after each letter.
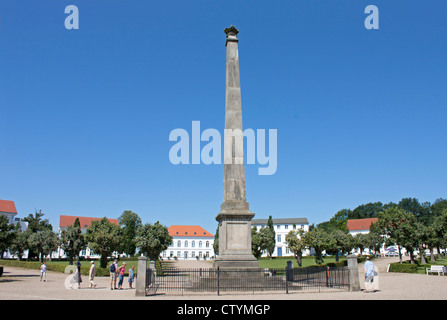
x: 85, y: 222
x: 188, y: 231
x: 360, y: 224
x: 7, y: 206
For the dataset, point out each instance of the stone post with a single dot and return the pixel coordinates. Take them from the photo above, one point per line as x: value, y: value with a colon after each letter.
x: 141, y: 277
x: 354, y: 281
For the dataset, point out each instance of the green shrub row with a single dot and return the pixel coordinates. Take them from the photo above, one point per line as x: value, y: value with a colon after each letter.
x: 100, y: 272
x: 403, y: 267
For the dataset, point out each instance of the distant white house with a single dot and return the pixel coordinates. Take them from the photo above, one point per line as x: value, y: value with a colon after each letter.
x: 356, y: 226
x: 189, y: 243
x: 282, y: 227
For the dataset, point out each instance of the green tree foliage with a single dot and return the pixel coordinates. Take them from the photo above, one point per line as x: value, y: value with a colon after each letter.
x: 35, y: 224
x: 72, y: 240
x: 44, y: 242
x: 6, y: 234
x: 19, y: 242
x: 297, y: 243
x: 103, y: 238
x: 153, y: 240
x: 130, y: 222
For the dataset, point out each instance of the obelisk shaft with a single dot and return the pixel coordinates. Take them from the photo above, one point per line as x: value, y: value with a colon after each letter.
x: 234, y: 217
x: 234, y: 171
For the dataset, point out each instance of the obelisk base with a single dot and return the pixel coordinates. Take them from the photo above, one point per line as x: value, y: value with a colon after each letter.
x: 235, y: 240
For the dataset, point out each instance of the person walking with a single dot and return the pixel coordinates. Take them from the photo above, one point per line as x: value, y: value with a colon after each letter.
x: 77, y: 276
x: 91, y: 275
x: 121, y: 271
x: 131, y: 276
x: 368, y: 269
x: 43, y: 271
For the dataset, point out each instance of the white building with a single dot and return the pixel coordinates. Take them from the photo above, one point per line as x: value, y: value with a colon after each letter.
x: 282, y: 227
x: 189, y: 242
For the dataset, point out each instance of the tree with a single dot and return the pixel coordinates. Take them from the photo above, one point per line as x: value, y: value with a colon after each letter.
x: 422, y: 211
x: 45, y: 242
x: 397, y: 226
x: 296, y: 242
x: 256, y: 242
x: 153, y: 240
x: 269, y: 236
x: 19, y: 243
x: 72, y: 240
x: 130, y: 222
x: 103, y: 238
x: 35, y: 224
x: 318, y: 239
x: 6, y: 234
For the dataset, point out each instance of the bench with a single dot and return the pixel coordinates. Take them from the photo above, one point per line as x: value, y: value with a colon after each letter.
x: 440, y: 270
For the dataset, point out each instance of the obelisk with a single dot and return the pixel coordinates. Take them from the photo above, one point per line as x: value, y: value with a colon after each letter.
x: 234, y: 217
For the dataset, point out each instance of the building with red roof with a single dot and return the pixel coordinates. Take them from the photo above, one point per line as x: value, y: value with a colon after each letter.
x: 8, y: 209
x: 85, y: 222
x: 356, y: 226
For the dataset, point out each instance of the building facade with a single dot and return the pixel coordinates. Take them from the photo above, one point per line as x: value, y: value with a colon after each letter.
x: 282, y: 227
x: 189, y: 243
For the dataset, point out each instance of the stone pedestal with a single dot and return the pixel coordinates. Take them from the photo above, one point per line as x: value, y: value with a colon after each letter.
x: 235, y: 242
x: 354, y: 281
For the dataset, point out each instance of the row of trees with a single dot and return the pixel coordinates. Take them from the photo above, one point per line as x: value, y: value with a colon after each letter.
x: 408, y: 224
x: 102, y: 237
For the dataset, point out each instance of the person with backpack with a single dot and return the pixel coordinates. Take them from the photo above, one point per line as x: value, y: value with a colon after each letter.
x: 113, y: 270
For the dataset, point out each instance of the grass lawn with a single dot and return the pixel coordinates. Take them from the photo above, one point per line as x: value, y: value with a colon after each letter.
x: 439, y: 262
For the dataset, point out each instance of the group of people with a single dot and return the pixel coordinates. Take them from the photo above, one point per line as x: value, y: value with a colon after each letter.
x: 115, y: 272
x: 118, y: 272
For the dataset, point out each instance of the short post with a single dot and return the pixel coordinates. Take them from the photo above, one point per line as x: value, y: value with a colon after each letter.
x: 140, y: 286
x: 354, y: 282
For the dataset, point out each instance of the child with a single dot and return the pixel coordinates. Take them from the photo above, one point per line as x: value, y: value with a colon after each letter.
x: 131, y: 276
x: 43, y: 271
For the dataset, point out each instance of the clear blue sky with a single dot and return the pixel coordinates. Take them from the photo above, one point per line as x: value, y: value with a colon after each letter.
x: 86, y: 114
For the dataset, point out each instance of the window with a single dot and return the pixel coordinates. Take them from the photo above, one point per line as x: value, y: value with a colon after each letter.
x: 278, y: 238
x: 200, y: 244
x: 286, y: 226
x: 193, y: 244
x: 179, y: 243
x: 186, y: 243
x: 207, y: 244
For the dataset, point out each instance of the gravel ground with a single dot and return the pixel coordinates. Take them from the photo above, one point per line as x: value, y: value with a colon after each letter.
x: 25, y: 284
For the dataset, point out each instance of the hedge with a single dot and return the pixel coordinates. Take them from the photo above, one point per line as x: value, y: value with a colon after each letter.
x: 100, y: 272
x: 403, y: 267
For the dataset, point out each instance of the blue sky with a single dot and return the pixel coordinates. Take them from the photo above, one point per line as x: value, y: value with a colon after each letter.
x: 86, y: 114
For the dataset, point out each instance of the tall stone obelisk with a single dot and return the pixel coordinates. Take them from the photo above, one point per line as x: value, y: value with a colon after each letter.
x: 234, y: 217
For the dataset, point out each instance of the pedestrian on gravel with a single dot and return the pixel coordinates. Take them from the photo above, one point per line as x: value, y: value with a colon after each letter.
x: 121, y: 271
x: 91, y: 275
x: 43, y: 271
x: 131, y: 276
x: 369, y: 275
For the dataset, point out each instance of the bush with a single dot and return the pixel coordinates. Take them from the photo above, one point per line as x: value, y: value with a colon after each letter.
x: 403, y: 267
